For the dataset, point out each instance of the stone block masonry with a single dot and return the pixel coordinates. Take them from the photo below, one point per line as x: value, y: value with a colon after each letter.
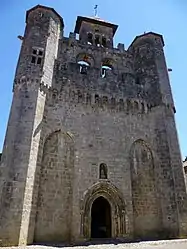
x: 91, y: 148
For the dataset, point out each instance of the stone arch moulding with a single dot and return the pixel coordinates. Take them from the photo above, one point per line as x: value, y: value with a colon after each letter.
x: 50, y: 131
x: 116, y: 201
x: 58, y: 145
x: 145, y: 193
x: 147, y: 144
x: 85, y: 57
x: 108, y: 62
x: 54, y: 129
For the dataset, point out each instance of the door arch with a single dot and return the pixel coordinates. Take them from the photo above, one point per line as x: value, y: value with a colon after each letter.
x: 117, y: 209
x: 101, y: 218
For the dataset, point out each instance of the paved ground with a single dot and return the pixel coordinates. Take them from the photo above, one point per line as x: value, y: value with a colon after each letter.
x: 172, y: 244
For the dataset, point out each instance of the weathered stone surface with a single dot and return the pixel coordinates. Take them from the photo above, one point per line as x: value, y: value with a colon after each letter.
x: 69, y: 118
x: 163, y: 244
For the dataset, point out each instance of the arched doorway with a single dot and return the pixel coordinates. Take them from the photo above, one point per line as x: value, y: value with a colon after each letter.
x: 115, y: 203
x: 101, y: 218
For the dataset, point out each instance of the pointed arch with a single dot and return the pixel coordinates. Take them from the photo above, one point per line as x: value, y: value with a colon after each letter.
x: 116, y: 201
x: 55, y: 188
x: 145, y: 197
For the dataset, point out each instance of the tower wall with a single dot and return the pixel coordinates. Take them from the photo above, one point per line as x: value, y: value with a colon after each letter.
x: 23, y: 135
x: 155, y: 75
x: 69, y: 117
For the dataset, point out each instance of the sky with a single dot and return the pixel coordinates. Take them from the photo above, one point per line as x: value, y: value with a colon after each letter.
x: 134, y: 17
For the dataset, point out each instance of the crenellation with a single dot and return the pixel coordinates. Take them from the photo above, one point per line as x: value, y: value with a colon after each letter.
x: 56, y: 97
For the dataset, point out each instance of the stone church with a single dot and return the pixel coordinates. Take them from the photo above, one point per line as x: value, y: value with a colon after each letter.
x: 91, y: 148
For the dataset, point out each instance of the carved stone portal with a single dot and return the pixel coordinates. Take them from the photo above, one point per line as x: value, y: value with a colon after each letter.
x: 117, y: 207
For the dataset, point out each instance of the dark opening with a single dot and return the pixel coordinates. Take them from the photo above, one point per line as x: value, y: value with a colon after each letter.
x: 138, y: 80
x: 103, y: 170
x: 34, y: 51
x: 97, y: 40
x: 33, y: 60
x: 103, y: 41
x: 39, y: 60
x: 40, y: 52
x: 101, y: 219
x: 90, y: 38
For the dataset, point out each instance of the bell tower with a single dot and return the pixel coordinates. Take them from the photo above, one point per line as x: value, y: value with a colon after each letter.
x: 95, y: 31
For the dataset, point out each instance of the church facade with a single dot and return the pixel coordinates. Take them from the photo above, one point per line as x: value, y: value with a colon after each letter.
x: 91, y: 148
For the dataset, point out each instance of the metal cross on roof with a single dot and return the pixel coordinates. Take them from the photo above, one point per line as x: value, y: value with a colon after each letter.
x: 95, y: 10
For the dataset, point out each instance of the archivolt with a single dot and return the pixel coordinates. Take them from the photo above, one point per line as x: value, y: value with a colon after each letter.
x: 114, y: 197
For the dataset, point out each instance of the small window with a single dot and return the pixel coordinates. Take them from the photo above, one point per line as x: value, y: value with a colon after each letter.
x: 97, y: 99
x: 142, y: 107
x: 39, y: 60
x: 33, y: 60
x: 34, y: 51
x: 105, y: 100
x: 138, y: 80
x: 80, y: 97
x: 37, y: 55
x: 40, y: 14
x: 129, y: 106
x: 40, y: 52
x: 103, y: 171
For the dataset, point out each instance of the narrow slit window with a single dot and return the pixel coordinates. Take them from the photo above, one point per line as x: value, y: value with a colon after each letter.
x: 103, y: 41
x: 138, y: 80
x: 97, y: 40
x: 33, y: 60
x: 103, y: 171
x: 97, y: 99
x: 39, y: 60
x: 90, y: 39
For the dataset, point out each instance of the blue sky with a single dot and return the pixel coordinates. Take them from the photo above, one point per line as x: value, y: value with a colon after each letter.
x: 167, y: 17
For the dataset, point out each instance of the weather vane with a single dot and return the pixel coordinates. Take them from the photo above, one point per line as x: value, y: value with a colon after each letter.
x: 95, y: 10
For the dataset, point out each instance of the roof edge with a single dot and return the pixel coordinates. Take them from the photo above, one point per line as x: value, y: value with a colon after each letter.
x: 80, y: 19
x: 47, y: 8
x: 149, y: 33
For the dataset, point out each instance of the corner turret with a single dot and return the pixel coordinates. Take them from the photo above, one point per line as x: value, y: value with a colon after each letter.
x: 151, y: 69
x: 44, y: 28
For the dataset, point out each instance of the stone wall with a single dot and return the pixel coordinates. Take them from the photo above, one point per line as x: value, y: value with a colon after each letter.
x: 20, y: 152
x: 69, y: 118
